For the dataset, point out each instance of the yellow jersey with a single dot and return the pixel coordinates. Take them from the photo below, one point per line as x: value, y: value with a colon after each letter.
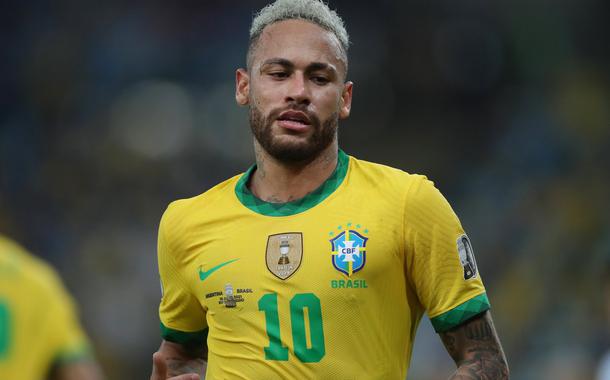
x: 38, y: 323
x: 331, y: 286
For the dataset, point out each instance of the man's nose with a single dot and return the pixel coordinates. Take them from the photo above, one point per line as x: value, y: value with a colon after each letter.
x: 298, y: 90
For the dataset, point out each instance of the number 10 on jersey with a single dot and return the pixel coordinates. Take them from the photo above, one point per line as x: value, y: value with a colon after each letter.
x: 298, y: 304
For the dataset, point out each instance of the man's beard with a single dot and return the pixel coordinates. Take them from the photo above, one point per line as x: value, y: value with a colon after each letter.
x: 323, y: 134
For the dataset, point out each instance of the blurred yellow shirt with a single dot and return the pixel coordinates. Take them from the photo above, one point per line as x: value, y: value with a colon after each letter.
x: 332, y: 286
x: 38, y: 323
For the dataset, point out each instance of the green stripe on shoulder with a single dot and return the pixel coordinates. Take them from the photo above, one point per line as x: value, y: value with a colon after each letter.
x: 195, y: 338
x: 460, y: 313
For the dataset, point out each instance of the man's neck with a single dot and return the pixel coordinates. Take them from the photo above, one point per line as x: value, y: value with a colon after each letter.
x: 278, y: 182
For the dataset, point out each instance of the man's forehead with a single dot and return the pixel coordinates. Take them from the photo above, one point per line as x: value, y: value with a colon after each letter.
x: 296, y: 39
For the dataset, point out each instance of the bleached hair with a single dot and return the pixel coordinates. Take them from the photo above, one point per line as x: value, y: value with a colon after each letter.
x: 315, y: 11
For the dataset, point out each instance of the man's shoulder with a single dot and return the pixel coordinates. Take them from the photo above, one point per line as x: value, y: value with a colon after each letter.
x: 15, y: 260
x: 28, y: 274
x: 382, y: 174
x: 225, y: 188
x: 183, y: 209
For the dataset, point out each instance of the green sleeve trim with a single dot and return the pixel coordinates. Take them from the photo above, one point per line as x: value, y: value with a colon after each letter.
x: 195, y: 338
x: 460, y: 313
x: 81, y: 354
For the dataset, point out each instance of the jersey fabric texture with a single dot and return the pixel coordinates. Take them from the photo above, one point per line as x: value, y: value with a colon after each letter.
x: 332, y: 286
x: 38, y: 323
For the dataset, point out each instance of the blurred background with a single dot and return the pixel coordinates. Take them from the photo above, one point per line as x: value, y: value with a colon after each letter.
x: 112, y: 109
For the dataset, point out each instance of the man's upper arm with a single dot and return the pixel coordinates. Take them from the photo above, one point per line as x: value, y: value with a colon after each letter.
x: 182, y: 317
x: 475, y: 347
x: 440, y: 262
x: 442, y: 269
x: 73, y: 356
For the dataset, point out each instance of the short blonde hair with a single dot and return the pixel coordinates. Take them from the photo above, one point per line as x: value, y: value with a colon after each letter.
x: 315, y: 11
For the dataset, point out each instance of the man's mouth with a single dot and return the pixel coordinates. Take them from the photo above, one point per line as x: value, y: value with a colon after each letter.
x: 294, y: 120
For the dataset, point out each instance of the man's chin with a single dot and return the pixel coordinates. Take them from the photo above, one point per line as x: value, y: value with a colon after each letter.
x: 293, y: 152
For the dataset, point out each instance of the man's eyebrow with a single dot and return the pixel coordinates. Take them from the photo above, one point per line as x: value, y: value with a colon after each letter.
x: 314, y: 66
x: 278, y: 61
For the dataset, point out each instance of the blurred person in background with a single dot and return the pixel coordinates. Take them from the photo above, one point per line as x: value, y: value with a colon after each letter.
x: 40, y: 335
x: 314, y: 264
x: 603, y: 369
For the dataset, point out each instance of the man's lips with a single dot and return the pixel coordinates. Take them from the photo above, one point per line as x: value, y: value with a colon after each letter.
x: 295, y: 126
x: 294, y: 120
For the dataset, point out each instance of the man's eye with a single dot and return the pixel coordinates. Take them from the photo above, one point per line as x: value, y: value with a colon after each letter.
x: 278, y: 74
x: 320, y: 80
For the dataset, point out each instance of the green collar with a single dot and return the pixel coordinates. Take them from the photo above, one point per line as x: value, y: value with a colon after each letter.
x: 259, y: 206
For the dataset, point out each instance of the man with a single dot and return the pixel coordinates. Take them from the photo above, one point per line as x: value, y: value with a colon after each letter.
x: 40, y: 337
x: 313, y: 264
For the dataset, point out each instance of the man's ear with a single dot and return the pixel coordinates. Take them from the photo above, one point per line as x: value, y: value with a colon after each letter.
x: 346, y: 100
x: 242, y: 87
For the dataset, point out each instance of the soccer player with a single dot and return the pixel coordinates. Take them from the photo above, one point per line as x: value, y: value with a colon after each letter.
x: 40, y: 336
x: 314, y: 264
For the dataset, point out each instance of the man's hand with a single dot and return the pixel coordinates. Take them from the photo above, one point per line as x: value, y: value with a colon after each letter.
x: 476, y: 349
x: 174, y: 362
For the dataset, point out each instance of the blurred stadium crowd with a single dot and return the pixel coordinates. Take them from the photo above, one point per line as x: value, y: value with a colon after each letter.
x: 112, y: 109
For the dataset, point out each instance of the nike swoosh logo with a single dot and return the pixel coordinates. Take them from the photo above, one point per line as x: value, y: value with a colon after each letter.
x: 205, y: 274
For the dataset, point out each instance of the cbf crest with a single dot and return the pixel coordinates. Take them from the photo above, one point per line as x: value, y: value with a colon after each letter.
x: 284, y: 253
x: 349, y: 250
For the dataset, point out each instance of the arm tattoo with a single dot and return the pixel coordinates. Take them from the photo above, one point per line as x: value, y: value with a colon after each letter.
x: 180, y: 366
x: 449, y: 342
x: 476, y: 349
x: 481, y: 368
x: 479, y: 331
x: 190, y: 358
